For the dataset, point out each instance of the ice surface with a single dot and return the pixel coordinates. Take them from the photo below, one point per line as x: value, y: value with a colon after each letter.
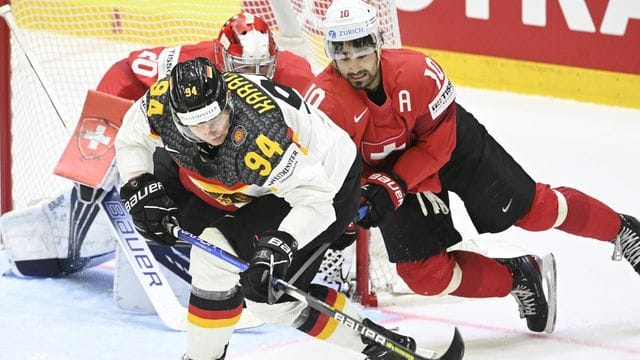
x: 590, y: 147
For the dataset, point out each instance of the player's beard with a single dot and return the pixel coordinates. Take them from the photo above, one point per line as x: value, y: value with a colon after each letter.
x: 365, y: 79
x: 360, y: 80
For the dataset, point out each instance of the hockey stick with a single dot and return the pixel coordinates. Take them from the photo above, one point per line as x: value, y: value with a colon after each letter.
x: 455, y: 350
x: 274, y: 294
x: 147, y: 268
x: 150, y: 276
x: 144, y: 264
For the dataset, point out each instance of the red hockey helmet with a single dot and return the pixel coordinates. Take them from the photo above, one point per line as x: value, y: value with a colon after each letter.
x: 247, y: 45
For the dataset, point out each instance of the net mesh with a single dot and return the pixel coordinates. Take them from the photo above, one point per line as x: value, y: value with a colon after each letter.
x: 76, y: 41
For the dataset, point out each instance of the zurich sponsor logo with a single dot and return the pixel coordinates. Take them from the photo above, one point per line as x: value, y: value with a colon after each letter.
x: 332, y: 34
x: 351, y: 32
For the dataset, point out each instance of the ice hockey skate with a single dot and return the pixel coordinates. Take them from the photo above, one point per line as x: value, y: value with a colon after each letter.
x: 534, y: 287
x: 376, y: 351
x: 627, y: 242
x: 224, y: 354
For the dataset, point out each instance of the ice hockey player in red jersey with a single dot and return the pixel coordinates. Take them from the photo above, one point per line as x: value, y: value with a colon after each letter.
x: 244, y: 44
x: 418, y: 144
x: 281, y: 179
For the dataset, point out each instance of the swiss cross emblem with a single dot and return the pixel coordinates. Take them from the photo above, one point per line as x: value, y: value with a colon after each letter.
x: 96, y: 137
x: 374, y: 153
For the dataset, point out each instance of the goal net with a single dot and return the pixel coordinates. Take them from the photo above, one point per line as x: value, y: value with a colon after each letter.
x: 72, y: 43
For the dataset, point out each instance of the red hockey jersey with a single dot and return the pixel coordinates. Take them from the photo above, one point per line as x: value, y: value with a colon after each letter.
x: 413, y: 133
x: 131, y: 77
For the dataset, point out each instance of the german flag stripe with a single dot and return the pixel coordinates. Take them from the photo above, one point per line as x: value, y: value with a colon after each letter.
x: 320, y: 325
x: 338, y: 304
x: 196, y: 179
x: 296, y: 140
x: 208, y: 323
x: 214, y: 314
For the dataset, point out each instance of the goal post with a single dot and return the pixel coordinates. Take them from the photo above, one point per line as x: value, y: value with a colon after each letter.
x: 5, y: 116
x: 76, y: 41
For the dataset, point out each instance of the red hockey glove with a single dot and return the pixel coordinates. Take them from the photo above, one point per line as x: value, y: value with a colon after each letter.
x: 384, y: 194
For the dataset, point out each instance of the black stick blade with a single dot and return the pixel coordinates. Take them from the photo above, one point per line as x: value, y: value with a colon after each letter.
x: 456, y: 348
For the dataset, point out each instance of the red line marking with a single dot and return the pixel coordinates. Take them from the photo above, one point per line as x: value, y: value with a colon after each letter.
x: 547, y: 337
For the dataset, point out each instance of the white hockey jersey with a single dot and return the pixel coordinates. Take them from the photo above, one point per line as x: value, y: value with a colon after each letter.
x: 276, y: 144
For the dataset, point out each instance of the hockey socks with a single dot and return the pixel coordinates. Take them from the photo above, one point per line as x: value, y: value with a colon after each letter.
x: 211, y: 319
x: 571, y: 211
x: 459, y: 273
x: 323, y: 327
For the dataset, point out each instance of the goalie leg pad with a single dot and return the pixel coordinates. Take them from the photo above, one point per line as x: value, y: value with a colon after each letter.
x: 38, y: 240
x: 129, y: 294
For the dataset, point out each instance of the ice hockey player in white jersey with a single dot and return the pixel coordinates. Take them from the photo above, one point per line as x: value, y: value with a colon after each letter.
x: 281, y: 180
x: 66, y: 233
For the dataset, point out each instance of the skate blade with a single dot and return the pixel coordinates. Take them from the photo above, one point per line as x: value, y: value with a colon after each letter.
x: 549, y: 274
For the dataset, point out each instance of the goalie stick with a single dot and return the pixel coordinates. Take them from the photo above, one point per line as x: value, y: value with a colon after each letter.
x: 145, y: 266
x: 141, y: 260
x: 455, y: 351
x: 152, y: 280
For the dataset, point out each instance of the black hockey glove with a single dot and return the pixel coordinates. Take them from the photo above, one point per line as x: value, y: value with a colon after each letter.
x: 384, y: 194
x: 273, y: 255
x: 374, y: 350
x: 347, y: 238
x: 151, y: 209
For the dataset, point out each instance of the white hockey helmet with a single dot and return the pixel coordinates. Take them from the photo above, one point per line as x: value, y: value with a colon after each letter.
x: 352, y: 22
x: 247, y: 45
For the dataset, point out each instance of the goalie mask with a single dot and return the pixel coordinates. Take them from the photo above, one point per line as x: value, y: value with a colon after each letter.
x: 198, y: 95
x: 247, y: 45
x: 350, y: 30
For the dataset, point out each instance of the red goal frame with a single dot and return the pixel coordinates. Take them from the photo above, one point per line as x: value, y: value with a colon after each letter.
x: 5, y: 117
